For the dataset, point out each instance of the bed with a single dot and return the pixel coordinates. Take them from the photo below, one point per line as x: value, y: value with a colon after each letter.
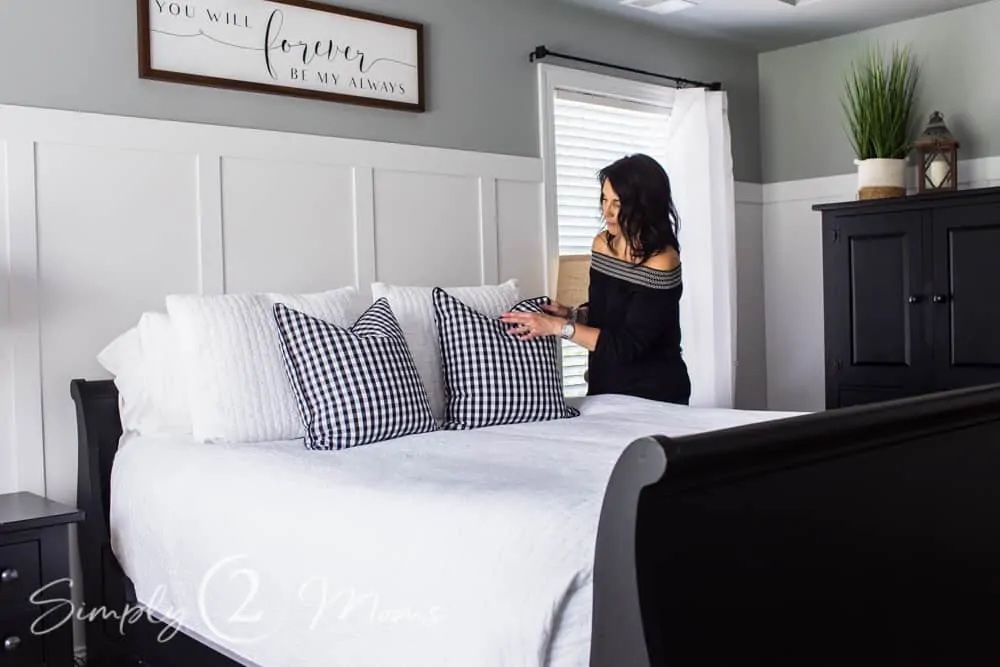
x: 275, y: 480
x: 697, y: 537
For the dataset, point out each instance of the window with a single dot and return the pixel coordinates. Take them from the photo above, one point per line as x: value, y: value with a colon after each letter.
x: 589, y: 122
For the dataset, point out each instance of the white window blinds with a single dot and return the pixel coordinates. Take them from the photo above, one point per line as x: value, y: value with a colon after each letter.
x: 591, y: 132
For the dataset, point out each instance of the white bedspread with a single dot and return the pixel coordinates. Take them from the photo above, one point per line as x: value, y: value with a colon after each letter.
x: 442, y: 549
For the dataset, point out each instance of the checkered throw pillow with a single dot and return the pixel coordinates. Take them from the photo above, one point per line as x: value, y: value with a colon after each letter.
x: 353, y: 386
x: 492, y: 377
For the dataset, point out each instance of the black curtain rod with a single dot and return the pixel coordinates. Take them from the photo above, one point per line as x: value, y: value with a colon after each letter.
x: 543, y: 52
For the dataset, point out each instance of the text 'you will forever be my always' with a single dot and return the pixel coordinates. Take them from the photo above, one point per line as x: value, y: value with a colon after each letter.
x: 268, y: 42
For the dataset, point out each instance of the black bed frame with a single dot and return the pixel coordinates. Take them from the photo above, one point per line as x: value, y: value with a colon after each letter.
x: 862, y: 536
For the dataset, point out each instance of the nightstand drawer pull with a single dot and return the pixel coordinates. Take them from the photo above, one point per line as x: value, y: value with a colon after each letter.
x: 20, y: 575
x: 11, y: 644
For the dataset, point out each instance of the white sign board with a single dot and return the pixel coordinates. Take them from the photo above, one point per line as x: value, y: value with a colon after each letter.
x: 289, y: 47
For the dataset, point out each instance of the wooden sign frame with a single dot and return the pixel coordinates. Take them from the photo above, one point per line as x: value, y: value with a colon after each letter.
x: 338, y: 48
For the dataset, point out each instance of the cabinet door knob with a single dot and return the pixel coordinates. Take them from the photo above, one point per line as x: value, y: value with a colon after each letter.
x: 940, y: 298
x: 915, y: 298
x: 8, y: 575
x: 11, y: 644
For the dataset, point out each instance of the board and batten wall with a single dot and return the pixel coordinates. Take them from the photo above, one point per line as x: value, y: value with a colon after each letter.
x: 806, y: 158
x: 105, y: 215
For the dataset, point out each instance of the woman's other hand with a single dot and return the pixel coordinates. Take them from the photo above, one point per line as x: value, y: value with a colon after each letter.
x: 557, y: 309
x: 528, y: 326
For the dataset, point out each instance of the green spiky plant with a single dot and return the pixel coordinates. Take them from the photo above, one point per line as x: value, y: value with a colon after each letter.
x: 879, y: 104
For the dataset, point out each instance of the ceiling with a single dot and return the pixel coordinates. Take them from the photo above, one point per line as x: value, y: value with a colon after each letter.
x: 772, y: 24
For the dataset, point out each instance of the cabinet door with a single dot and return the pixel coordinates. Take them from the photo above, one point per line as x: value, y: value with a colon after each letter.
x: 966, y: 295
x: 877, y: 332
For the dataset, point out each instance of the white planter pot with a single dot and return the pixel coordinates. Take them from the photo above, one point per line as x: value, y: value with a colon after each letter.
x: 884, y: 175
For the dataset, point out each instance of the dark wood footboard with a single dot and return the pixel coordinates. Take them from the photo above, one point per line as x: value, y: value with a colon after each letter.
x: 864, y: 536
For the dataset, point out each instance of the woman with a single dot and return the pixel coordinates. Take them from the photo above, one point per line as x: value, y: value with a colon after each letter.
x: 631, y: 322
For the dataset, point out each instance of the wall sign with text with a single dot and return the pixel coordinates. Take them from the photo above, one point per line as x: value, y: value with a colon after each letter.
x: 287, y: 47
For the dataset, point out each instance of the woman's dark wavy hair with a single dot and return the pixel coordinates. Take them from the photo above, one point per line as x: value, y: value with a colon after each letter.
x: 647, y: 218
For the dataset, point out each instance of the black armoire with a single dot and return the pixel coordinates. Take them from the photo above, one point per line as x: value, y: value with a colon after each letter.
x: 911, y: 295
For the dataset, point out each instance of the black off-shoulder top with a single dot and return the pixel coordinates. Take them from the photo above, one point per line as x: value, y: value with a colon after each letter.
x: 637, y: 309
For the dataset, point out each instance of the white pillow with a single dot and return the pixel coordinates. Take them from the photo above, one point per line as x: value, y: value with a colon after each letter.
x: 414, y: 309
x: 165, y: 381
x: 123, y: 359
x: 237, y: 387
x: 151, y: 391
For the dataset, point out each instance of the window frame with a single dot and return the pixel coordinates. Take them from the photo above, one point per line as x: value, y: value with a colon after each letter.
x: 552, y: 78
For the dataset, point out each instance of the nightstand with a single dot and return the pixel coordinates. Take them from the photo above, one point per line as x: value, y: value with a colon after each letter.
x: 36, y: 625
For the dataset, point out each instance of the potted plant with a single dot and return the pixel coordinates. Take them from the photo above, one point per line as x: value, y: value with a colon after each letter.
x: 879, y: 104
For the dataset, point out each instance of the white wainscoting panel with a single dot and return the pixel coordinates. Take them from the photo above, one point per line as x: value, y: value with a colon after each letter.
x: 793, y: 302
x: 211, y: 272
x: 8, y: 452
x: 103, y: 216
x: 751, y: 367
x: 25, y: 351
x: 427, y: 228
x: 793, y: 280
x: 489, y: 235
x: 521, y: 254
x: 295, y: 234
x: 117, y: 229
x: 364, y: 227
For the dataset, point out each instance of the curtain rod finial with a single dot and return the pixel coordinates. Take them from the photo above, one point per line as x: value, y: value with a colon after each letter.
x: 538, y: 53
x: 715, y: 85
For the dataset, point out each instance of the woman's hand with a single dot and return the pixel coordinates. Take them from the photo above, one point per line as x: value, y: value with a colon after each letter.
x: 533, y: 325
x: 558, y: 310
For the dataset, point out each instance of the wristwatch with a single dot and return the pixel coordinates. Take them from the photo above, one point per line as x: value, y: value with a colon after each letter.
x: 567, y: 330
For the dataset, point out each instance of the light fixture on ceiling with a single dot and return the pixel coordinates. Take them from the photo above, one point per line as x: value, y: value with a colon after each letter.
x: 660, y: 6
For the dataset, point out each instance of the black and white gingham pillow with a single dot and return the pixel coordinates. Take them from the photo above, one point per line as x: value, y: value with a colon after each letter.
x: 353, y: 386
x: 492, y: 377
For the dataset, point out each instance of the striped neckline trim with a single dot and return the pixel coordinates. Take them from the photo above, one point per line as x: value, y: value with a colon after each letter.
x: 640, y: 275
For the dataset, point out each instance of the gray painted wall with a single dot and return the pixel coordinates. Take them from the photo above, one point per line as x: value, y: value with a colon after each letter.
x: 81, y: 55
x: 802, y: 132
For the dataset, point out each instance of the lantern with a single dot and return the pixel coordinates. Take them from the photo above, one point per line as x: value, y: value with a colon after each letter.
x: 938, y: 150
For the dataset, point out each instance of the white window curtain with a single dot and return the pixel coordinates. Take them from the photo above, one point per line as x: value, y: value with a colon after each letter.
x: 699, y: 163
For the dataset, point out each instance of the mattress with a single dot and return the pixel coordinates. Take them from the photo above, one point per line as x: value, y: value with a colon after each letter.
x: 444, y: 549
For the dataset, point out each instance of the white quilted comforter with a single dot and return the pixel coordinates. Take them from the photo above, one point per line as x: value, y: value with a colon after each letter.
x: 443, y: 549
